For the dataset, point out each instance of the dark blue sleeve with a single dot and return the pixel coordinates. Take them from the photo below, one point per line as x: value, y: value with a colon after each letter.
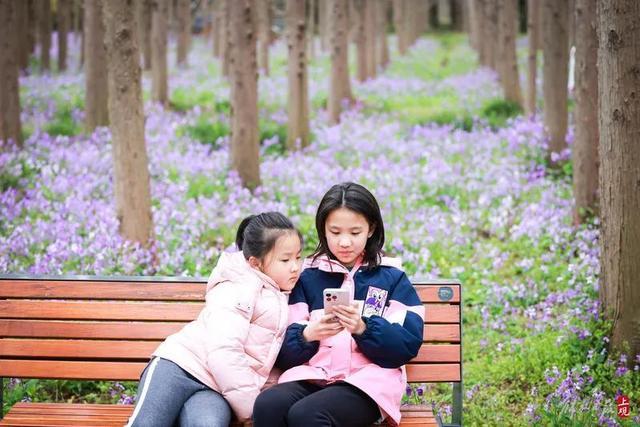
x: 391, y: 345
x: 295, y: 349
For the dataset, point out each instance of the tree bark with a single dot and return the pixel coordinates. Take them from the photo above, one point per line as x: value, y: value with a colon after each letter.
x: 490, y: 33
x: 224, y: 36
x: 22, y: 28
x: 32, y: 32
x: 144, y: 25
x: 263, y: 9
x: 381, y: 23
x: 183, y: 15
x: 159, y: 30
x: 64, y: 17
x: 44, y: 32
x: 131, y: 165
x: 323, y: 23
x: 243, y: 71
x: 360, y: 8
x: 508, y: 63
x: 311, y: 29
x: 371, y: 38
x: 555, y: 72
x: 10, y: 126
x: 619, y: 103
x: 473, y: 8
x: 585, y: 145
x: 339, y: 84
x: 96, y: 74
x: 298, y: 94
x: 400, y: 25
x: 533, y: 29
x: 215, y: 30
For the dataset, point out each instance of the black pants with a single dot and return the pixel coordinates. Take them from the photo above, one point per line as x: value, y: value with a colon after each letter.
x: 303, y: 404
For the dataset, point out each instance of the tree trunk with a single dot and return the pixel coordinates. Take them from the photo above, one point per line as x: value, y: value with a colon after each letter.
x: 183, y: 15
x: 22, y: 28
x: 490, y: 33
x: 399, y: 24
x: 263, y: 12
x: 381, y: 23
x: 473, y: 8
x: 533, y: 30
x: 311, y: 29
x: 44, y: 32
x: 32, y: 33
x: 339, y: 84
x: 555, y: 71
x: 457, y: 15
x: 96, y: 74
x: 144, y: 33
x: 619, y: 103
x: 508, y: 63
x: 298, y: 99
x: 243, y: 71
x: 585, y: 146
x: 131, y: 165
x: 159, y: 30
x: 64, y: 17
x: 215, y: 30
x: 224, y: 36
x: 371, y: 37
x: 323, y: 23
x: 10, y: 127
x: 360, y: 8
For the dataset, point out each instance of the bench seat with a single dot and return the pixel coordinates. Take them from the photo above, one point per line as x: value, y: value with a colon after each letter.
x: 88, y: 415
x: 105, y: 328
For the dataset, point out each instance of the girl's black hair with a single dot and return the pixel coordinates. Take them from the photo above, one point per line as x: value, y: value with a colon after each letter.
x: 360, y: 200
x: 257, y: 234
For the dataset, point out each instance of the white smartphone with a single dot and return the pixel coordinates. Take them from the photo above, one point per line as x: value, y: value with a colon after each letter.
x: 335, y: 296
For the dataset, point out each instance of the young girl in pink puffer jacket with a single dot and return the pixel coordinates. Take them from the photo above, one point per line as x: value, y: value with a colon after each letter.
x: 218, y: 363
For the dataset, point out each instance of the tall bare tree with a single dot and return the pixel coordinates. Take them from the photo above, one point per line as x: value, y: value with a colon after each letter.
x: 96, y: 73
x: 361, y: 10
x: 533, y: 30
x: 490, y: 37
x: 340, y: 84
x: 131, y: 164
x: 10, y: 126
x: 243, y: 71
x: 225, y: 29
x: 400, y: 18
x: 63, y: 14
x: 507, y: 61
x: 144, y: 33
x: 619, y: 103
x: 585, y: 145
x: 263, y: 9
x: 159, y: 30
x: 555, y: 20
x: 381, y: 23
x: 371, y: 38
x: 23, y: 50
x: 183, y: 15
x: 44, y: 32
x: 298, y: 94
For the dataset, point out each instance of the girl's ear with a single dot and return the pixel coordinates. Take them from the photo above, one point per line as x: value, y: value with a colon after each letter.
x: 371, y: 230
x: 255, y: 263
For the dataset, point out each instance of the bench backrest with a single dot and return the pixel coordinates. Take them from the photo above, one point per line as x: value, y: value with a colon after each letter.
x: 86, y: 327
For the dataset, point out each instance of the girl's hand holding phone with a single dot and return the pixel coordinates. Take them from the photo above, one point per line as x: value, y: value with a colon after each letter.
x: 350, y: 319
x: 324, y: 327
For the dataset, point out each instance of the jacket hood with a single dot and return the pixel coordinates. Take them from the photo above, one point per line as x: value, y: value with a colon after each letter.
x: 233, y: 267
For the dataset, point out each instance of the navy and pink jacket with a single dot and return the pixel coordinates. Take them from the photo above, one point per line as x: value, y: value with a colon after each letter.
x: 374, y: 361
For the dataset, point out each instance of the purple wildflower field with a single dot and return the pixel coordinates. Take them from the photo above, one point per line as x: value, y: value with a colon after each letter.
x: 479, y: 205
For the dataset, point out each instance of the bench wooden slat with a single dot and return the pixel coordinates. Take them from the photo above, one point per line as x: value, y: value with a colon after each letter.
x: 423, y: 373
x: 442, y: 333
x: 429, y: 293
x: 77, y: 349
x: 84, y: 370
x: 92, y: 289
x: 438, y: 353
x: 104, y: 310
x: 150, y: 330
x: 87, y: 329
x: 112, y: 310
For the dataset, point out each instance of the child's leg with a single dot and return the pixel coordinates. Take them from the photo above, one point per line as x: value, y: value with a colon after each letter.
x: 339, y: 404
x: 206, y: 408
x: 162, y: 391
x: 273, y: 404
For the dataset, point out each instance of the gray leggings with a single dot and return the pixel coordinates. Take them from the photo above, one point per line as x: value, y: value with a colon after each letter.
x: 169, y: 396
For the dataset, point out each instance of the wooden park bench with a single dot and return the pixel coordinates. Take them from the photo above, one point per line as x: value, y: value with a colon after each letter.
x: 105, y: 328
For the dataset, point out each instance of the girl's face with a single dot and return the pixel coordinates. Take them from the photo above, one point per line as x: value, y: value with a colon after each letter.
x: 347, y: 233
x: 282, y: 264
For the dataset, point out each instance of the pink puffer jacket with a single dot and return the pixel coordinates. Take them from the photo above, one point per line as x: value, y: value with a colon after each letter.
x: 233, y: 344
